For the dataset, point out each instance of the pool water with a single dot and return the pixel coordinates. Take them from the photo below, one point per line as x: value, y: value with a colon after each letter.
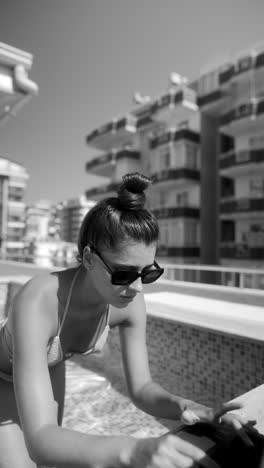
x: 98, y: 404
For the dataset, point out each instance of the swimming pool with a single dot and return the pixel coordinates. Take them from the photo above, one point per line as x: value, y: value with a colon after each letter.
x: 98, y: 404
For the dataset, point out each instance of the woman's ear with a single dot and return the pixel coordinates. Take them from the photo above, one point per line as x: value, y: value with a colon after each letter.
x: 87, y: 257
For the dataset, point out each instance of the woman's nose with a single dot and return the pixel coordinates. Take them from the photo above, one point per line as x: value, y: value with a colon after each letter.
x: 136, y: 285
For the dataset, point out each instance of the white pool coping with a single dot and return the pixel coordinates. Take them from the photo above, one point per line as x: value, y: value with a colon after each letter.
x: 227, y: 317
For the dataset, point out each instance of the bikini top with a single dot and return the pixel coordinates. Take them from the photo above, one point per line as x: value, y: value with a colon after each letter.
x: 54, y: 349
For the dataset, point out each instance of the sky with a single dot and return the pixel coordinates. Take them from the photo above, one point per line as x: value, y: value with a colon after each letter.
x: 90, y: 56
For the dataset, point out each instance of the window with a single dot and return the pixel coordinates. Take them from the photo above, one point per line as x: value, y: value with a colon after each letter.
x: 182, y: 198
x: 163, y: 199
x: 191, y: 156
x: 242, y: 156
x: 227, y: 231
x: 165, y: 157
x: 256, y: 142
x: 256, y: 188
x: 164, y: 233
x: 209, y: 82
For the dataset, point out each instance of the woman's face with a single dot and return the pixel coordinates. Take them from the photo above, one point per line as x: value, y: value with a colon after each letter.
x: 134, y: 256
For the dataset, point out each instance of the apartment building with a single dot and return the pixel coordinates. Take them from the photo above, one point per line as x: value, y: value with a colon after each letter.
x: 13, y: 183
x: 71, y: 213
x: 231, y: 102
x: 37, y: 221
x: 16, y: 89
x: 159, y: 138
x: 203, y: 145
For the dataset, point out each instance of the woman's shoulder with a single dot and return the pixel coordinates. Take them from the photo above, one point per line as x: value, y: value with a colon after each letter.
x: 47, y: 286
x: 42, y: 287
x: 40, y: 296
x: 41, y: 283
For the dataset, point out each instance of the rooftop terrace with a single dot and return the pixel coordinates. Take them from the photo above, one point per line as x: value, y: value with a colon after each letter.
x: 210, y: 337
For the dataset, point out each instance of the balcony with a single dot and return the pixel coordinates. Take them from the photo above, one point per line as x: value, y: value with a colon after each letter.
x: 15, y: 86
x: 16, y: 206
x: 214, y: 99
x: 103, y: 191
x: 180, y: 252
x: 235, y: 164
x: 241, y: 252
x: 177, y: 212
x: 226, y: 75
x: 242, y: 208
x: 242, y: 67
x: 213, y: 102
x: 103, y: 165
x: 116, y: 133
x: 182, y: 177
x: 245, y: 118
x: 175, y: 135
x: 176, y: 106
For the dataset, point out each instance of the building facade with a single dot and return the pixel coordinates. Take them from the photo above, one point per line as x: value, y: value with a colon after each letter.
x: 159, y: 138
x: 38, y: 216
x: 203, y: 145
x: 231, y: 102
x: 16, y: 89
x: 13, y: 182
x: 71, y: 214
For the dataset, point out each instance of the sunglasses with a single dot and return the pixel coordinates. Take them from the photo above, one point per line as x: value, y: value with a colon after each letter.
x: 125, y: 277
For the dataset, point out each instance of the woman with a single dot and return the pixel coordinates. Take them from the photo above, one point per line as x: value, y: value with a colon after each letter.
x: 56, y: 315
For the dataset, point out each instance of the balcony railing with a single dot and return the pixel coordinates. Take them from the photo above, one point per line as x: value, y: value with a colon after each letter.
x: 201, y: 276
x: 241, y: 157
x: 111, y: 158
x: 176, y: 135
x: 247, y: 109
x: 177, y: 212
x: 226, y: 75
x: 176, y: 97
x: 242, y: 252
x: 210, y: 97
x: 178, y: 251
x: 176, y: 174
x: 242, y: 205
x: 222, y: 276
x: 242, y: 65
x: 107, y: 128
x: 104, y: 189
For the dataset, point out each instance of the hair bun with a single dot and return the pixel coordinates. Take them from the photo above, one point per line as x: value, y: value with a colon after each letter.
x: 131, y: 194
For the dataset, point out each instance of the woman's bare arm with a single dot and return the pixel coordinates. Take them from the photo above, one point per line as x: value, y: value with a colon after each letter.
x: 49, y: 444
x: 146, y: 394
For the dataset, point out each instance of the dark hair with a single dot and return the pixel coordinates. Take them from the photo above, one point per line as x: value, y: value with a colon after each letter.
x: 114, y: 220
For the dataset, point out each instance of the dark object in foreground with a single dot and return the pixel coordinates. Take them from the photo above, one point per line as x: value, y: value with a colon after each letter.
x: 226, y: 452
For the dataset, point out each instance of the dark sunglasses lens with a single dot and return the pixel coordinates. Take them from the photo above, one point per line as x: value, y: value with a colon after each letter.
x: 152, y: 276
x: 124, y: 277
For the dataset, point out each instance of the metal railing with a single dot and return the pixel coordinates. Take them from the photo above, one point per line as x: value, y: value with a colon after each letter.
x: 215, y: 275
x: 218, y: 275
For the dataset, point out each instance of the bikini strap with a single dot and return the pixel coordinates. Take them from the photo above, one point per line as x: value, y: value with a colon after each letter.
x: 68, y: 301
x: 108, y: 314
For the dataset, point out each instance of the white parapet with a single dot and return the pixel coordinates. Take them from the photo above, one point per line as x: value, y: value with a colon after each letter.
x: 223, y: 316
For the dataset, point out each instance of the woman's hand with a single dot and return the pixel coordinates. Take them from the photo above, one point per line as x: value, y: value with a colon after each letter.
x: 167, y: 451
x: 228, y: 423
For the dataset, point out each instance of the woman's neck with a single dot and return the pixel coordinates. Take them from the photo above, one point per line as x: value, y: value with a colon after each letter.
x: 84, y: 292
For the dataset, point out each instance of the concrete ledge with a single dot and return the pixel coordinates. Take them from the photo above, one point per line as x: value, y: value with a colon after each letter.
x: 233, y: 318
x: 253, y: 406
